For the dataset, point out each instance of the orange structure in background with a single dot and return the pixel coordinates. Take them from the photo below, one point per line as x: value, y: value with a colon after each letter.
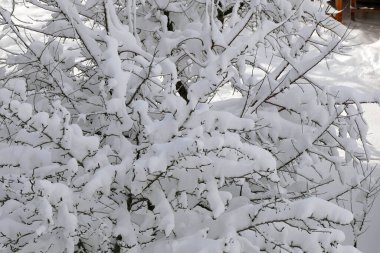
x: 373, y: 7
x: 364, y: 6
x: 339, y: 8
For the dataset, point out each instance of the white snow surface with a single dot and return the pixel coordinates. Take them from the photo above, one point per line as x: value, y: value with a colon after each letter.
x: 359, y: 69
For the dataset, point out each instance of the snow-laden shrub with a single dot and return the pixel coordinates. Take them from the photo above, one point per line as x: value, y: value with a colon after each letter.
x: 112, y: 138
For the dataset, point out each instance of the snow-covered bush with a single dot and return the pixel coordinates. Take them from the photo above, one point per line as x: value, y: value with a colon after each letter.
x: 117, y: 134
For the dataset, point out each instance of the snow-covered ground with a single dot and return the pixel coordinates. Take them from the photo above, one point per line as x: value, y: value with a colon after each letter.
x: 364, y: 68
x: 361, y: 69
